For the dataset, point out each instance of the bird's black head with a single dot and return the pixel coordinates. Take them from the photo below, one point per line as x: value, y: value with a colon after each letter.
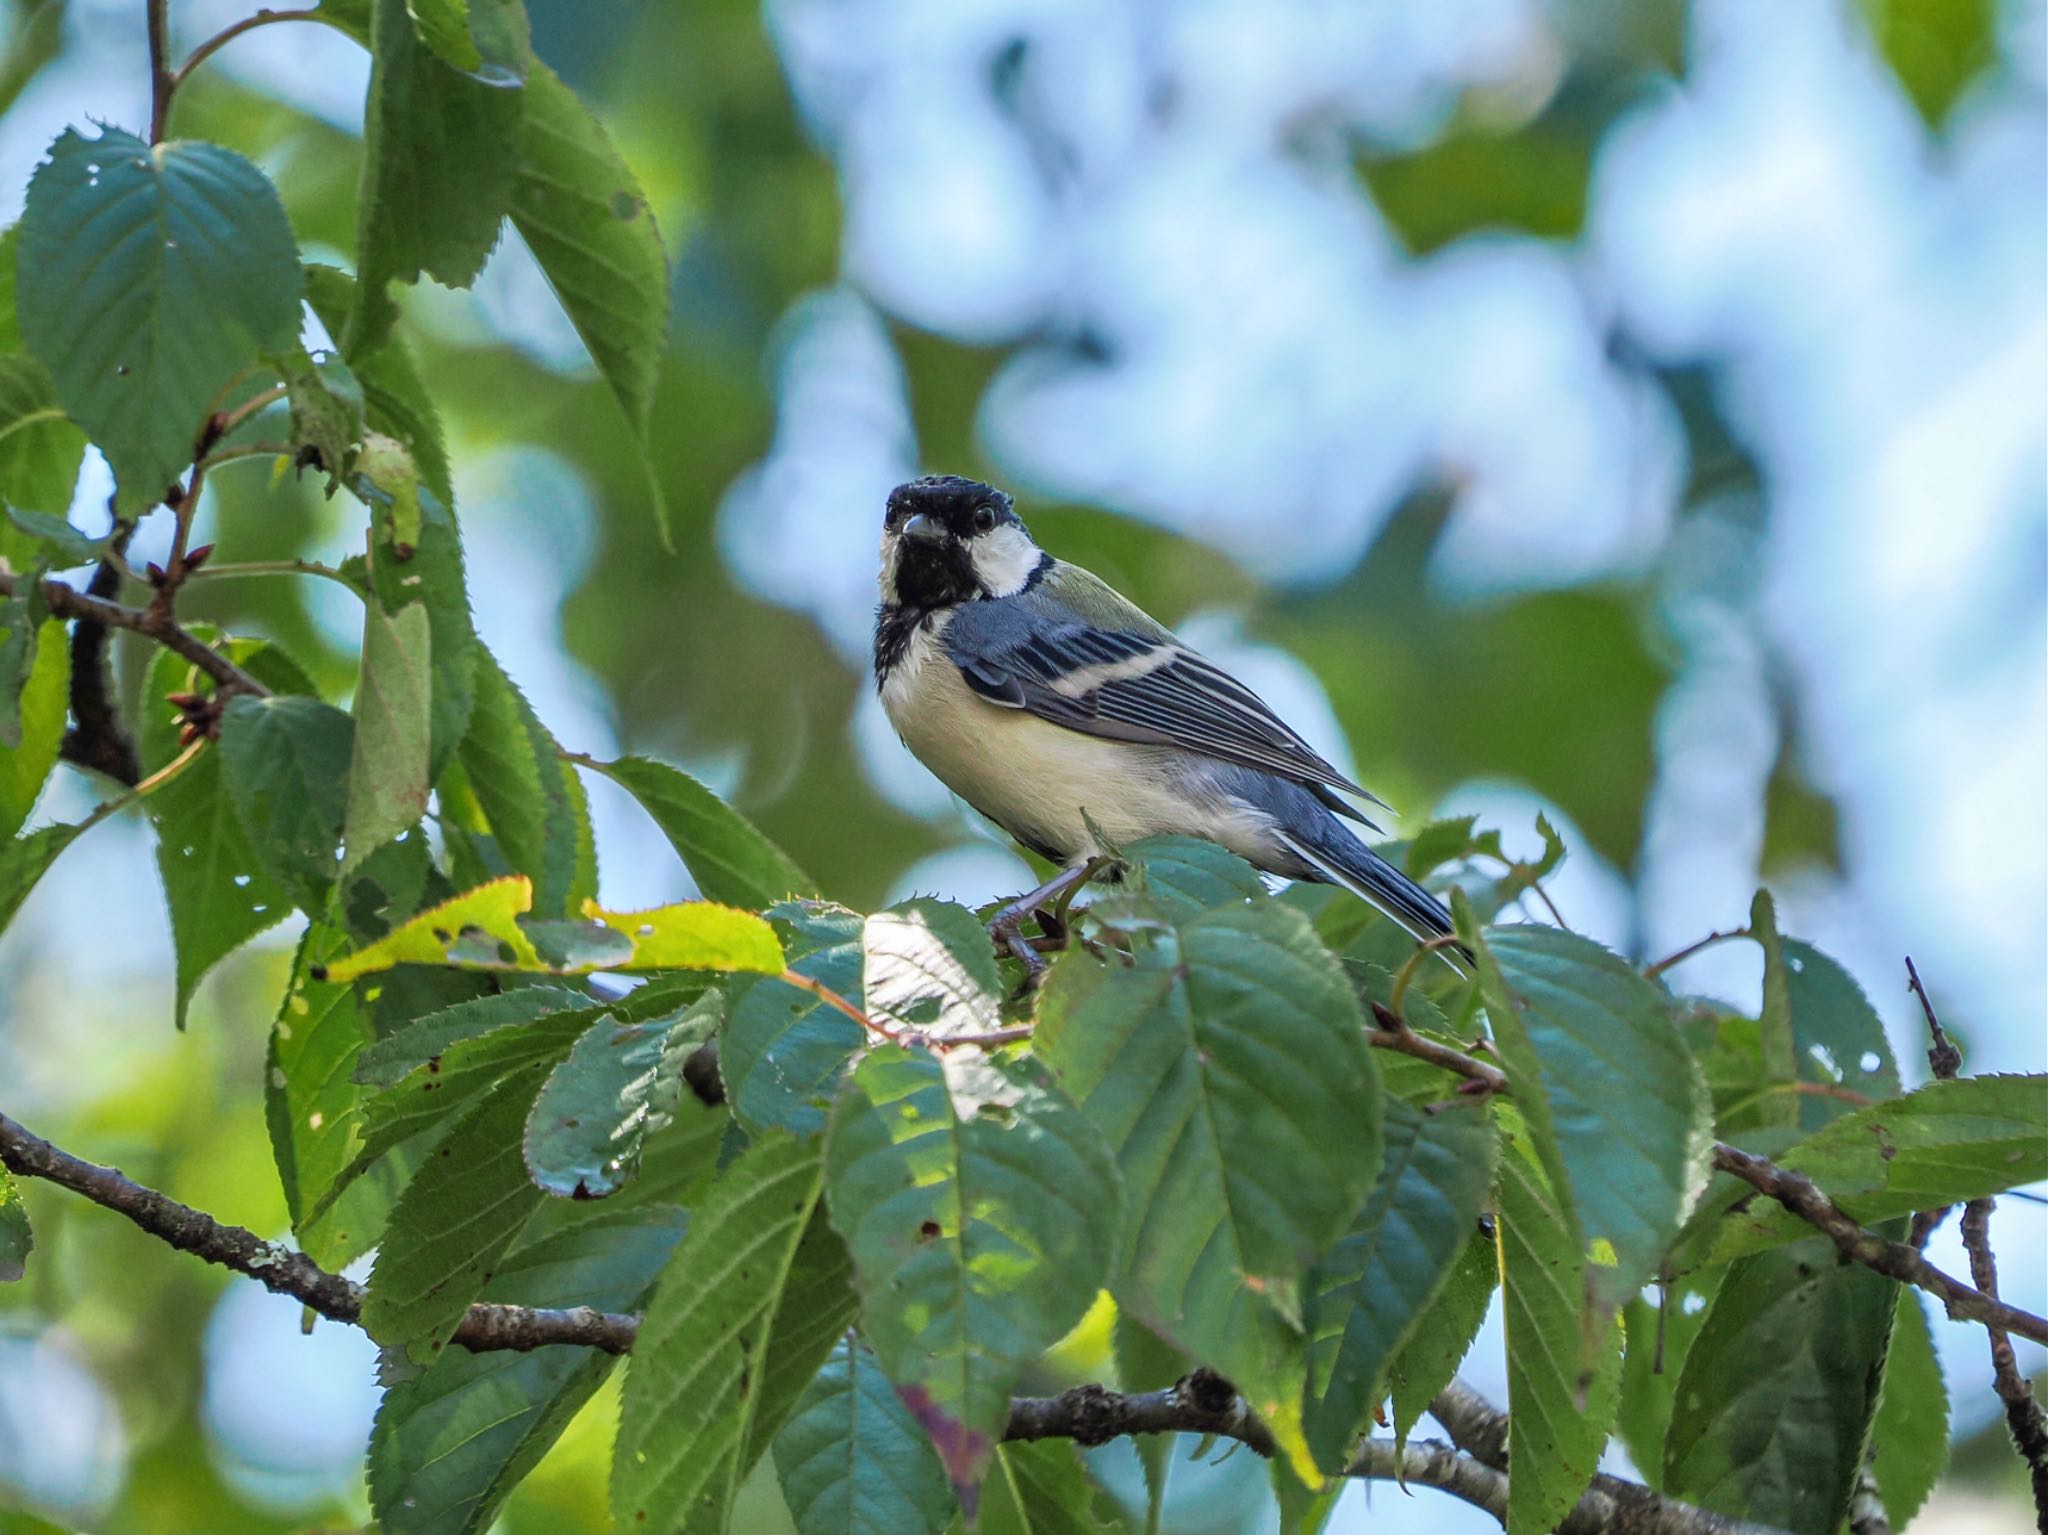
x: 946, y: 540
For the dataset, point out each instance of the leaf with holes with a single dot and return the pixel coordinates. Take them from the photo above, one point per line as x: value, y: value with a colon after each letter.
x: 41, y: 711
x: 1617, y: 1111
x: 134, y: 297
x: 1228, y: 1069
x: 1776, y: 1397
x: 286, y: 763
x: 853, y: 1461
x: 310, y: 1102
x: 1373, y: 1289
x: 783, y: 1049
x: 40, y: 447
x: 452, y: 1442
x: 981, y: 1212
x: 730, y: 860
x: 452, y: 1224
x: 618, y: 1086
x: 219, y: 895
x: 1562, y: 1406
x: 928, y: 967
x: 740, y: 1321
x: 581, y: 212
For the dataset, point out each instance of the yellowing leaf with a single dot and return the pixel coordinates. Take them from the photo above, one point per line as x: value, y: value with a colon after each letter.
x: 463, y: 931
x: 694, y: 935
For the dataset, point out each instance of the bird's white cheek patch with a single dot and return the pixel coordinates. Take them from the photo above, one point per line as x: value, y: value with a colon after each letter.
x: 1004, y: 558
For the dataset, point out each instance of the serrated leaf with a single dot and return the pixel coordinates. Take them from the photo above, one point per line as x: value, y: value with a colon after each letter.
x: 583, y: 216
x: 1840, y: 1038
x: 133, y: 299
x: 395, y: 399
x: 452, y: 1442
x: 1780, y: 1048
x: 694, y: 935
x: 1941, y: 1144
x: 42, y: 708
x: 1777, y: 1394
x: 1176, y: 878
x: 740, y: 1322
x: 853, y: 1461
x: 219, y: 895
x: 1657, y: 1335
x: 1041, y: 1487
x: 326, y: 410
x: 1909, y: 1437
x: 22, y: 862
x: 1616, y: 1108
x: 388, y: 777
x: 981, y: 1213
x: 49, y: 538
x: 40, y: 447
x: 1444, y: 1334
x: 286, y: 761
x: 18, y: 1238
x: 928, y: 966
x: 618, y: 1086
x: 533, y: 799
x: 783, y: 1049
x: 437, y: 180
x: 1229, y: 1072
x: 730, y: 860
x: 1377, y: 1284
x: 463, y: 1208
x: 310, y: 1101
x: 1562, y: 1411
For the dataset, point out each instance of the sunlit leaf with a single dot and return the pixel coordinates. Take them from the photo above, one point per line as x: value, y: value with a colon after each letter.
x: 782, y: 1049
x: 18, y: 1240
x: 469, y: 925
x: 131, y: 297
x: 310, y: 1102
x: 928, y: 967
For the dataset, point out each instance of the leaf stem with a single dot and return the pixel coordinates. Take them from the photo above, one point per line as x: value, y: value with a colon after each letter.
x: 276, y: 568
x: 263, y: 399
x: 1652, y: 971
x: 147, y: 786
x: 228, y: 34
x: 1414, y: 962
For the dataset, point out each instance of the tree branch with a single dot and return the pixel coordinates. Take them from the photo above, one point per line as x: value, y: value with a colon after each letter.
x: 69, y: 602
x: 2024, y: 1418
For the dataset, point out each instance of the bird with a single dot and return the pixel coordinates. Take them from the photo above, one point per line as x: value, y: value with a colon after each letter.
x: 1062, y: 712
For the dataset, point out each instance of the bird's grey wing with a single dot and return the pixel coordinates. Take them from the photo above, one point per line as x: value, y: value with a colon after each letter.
x: 1128, y: 684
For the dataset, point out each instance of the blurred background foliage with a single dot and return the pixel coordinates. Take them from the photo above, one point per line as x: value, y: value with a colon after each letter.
x: 1625, y: 408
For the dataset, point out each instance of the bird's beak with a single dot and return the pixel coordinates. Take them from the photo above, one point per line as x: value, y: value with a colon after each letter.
x: 924, y: 528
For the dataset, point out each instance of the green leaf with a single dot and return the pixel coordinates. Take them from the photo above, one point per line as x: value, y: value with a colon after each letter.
x: 219, y: 895
x: 286, y: 761
x: 730, y: 860
x: 18, y: 1239
x: 425, y: 567
x: 1942, y: 1144
x: 1228, y: 1070
x: 1616, y: 1108
x: 1180, y: 878
x: 310, y: 1102
x: 739, y: 1324
x: 22, y: 862
x: 581, y: 212
x: 1041, y: 1487
x: 326, y: 410
x: 1562, y: 1411
x: 1375, y: 1287
x: 532, y: 797
x: 134, y: 299
x: 452, y: 1224
x: 1444, y: 1334
x: 395, y: 398
x: 40, y: 447
x: 388, y: 772
x: 783, y: 1049
x: 1909, y: 1437
x: 618, y: 1086
x: 1779, y: 1044
x: 51, y: 539
x: 853, y: 1461
x: 43, y: 707
x: 1656, y: 1340
x: 453, y: 1441
x: 1840, y: 1039
x: 437, y: 177
x: 928, y: 967
x: 1775, y: 1401
x: 1147, y: 1362
x: 981, y: 1212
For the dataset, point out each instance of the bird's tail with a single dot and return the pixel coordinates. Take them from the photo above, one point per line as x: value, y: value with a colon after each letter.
x: 1343, y: 860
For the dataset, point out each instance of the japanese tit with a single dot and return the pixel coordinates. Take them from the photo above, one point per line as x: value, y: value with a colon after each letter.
x: 1054, y: 707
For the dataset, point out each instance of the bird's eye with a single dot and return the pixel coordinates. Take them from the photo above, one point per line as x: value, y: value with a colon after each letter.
x: 984, y: 518
x: 892, y: 516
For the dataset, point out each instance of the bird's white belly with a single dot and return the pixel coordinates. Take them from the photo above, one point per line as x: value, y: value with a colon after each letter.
x: 1043, y: 782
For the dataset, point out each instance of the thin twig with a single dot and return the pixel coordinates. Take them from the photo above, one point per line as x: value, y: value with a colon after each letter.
x: 1686, y: 953
x: 2024, y: 1419
x: 211, y: 571
x: 1406, y: 974
x: 213, y: 44
x: 1943, y: 1058
x: 263, y: 399
x: 69, y: 602
x: 1394, y: 1034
